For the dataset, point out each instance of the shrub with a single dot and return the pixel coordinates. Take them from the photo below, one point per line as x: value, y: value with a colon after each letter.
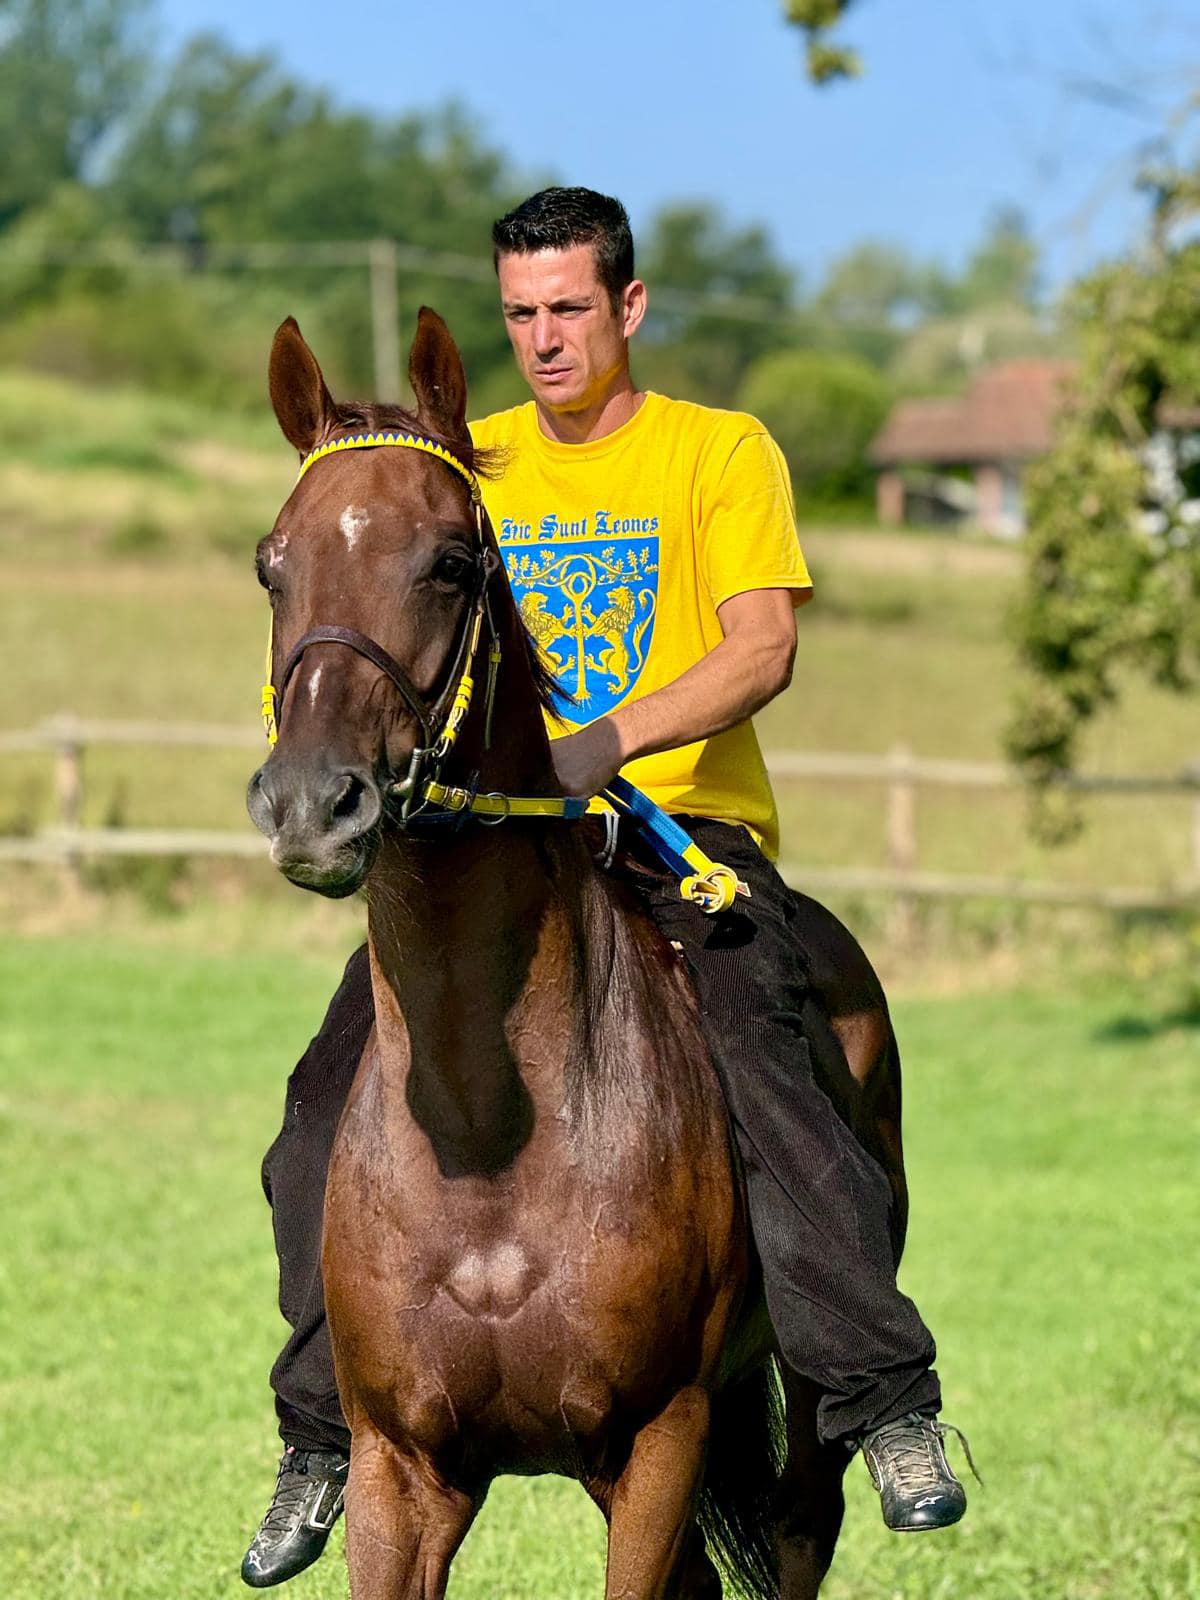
x: 823, y: 409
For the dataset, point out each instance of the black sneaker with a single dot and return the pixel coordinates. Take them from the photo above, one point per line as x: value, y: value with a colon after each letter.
x: 306, y: 1504
x: 907, y: 1463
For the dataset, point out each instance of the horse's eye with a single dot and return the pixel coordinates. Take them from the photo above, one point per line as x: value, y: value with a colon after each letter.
x: 454, y: 569
x: 264, y: 570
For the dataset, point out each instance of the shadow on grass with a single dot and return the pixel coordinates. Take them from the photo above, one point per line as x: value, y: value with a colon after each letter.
x: 1132, y: 1028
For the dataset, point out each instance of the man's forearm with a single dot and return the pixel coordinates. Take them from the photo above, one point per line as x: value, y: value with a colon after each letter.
x: 749, y: 667
x: 736, y: 679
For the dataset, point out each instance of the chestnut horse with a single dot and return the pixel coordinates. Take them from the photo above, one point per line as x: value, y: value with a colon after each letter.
x: 536, y: 1255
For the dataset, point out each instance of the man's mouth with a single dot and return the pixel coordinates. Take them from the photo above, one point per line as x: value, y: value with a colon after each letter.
x: 551, y: 373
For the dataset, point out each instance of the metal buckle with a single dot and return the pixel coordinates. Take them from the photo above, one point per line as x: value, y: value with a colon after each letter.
x: 605, y: 857
x: 409, y: 788
x: 493, y: 822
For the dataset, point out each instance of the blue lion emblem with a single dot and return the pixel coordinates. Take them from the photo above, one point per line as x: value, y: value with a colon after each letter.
x: 590, y: 607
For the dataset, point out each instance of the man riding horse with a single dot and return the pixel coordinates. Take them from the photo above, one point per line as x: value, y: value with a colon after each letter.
x: 674, y: 521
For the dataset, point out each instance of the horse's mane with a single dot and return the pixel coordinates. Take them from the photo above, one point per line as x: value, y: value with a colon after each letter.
x: 372, y: 417
x: 638, y: 1073
x: 545, y: 682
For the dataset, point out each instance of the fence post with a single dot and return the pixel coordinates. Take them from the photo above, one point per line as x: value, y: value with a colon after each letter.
x: 68, y: 789
x: 385, y: 318
x: 902, y: 840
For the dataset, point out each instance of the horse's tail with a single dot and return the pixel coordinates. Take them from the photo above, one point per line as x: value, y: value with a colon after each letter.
x: 741, y: 1479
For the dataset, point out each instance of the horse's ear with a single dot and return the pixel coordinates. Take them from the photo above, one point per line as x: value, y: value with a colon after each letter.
x: 302, y: 403
x: 435, y: 371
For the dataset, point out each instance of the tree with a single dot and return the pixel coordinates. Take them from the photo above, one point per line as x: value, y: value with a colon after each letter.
x: 70, y: 71
x: 690, y: 250
x: 1003, y: 270
x: 233, y: 150
x: 826, y: 60
x: 881, y: 283
x: 1113, y: 579
x: 873, y: 295
x: 823, y: 410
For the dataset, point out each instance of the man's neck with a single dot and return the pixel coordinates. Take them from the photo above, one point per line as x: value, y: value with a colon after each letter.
x: 593, y: 421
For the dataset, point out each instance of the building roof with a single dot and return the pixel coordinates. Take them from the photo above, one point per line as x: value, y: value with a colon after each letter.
x: 1007, y: 414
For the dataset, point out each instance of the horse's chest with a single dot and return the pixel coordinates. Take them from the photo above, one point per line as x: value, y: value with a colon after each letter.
x: 517, y: 1308
x: 491, y: 1280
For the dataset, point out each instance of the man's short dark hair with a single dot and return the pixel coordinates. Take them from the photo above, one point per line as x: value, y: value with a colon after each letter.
x: 556, y: 219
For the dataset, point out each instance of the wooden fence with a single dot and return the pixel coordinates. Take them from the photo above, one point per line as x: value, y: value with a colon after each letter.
x: 66, y: 739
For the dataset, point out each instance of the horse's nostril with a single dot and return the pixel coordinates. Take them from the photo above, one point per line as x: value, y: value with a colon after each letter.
x: 351, y: 804
x: 348, y: 800
x: 260, y: 803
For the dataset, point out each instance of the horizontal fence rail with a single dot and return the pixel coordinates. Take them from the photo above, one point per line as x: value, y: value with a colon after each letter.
x: 901, y: 763
x: 67, y: 738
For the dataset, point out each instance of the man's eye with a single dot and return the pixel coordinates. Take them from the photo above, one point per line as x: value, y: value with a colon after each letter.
x: 453, y: 569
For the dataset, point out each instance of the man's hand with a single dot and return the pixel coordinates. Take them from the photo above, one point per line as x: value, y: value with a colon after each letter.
x: 585, y: 761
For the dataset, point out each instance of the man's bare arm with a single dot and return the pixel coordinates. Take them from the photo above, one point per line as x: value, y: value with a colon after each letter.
x: 750, y: 666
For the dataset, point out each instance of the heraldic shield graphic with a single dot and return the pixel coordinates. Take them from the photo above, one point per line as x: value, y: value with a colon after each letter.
x: 589, y: 606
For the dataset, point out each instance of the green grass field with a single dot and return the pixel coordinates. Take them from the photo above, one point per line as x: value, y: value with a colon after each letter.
x: 142, y: 1063
x: 1052, y: 1154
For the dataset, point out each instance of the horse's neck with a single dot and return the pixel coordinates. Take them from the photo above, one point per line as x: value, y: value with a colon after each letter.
x: 460, y: 930
x: 477, y: 938
x: 457, y: 926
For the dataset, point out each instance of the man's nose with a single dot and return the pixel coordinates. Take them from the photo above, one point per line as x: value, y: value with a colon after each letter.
x: 545, y: 336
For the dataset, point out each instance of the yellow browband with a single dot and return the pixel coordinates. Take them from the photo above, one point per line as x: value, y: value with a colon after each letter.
x: 400, y: 441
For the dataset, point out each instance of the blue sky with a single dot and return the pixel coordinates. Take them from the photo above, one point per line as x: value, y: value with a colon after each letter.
x: 964, y: 105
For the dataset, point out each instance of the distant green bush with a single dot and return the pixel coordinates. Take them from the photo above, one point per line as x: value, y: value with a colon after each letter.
x: 140, y: 534
x: 194, y: 337
x: 823, y: 409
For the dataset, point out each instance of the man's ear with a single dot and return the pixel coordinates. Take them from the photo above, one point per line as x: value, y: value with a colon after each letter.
x: 633, y: 307
x: 303, y: 405
x: 435, y: 371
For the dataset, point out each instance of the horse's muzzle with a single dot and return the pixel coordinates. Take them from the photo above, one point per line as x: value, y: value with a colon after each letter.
x: 321, y: 820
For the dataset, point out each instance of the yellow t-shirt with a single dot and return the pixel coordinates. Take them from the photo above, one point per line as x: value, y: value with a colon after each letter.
x: 619, y: 553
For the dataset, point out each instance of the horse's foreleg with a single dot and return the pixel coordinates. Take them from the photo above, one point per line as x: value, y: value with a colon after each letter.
x: 811, y: 1503
x: 652, y: 1551
x: 403, y: 1524
x: 697, y: 1578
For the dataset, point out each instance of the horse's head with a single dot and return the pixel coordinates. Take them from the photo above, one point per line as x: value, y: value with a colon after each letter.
x: 372, y: 569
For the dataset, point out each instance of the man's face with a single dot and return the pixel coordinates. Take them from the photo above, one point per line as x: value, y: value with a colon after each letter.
x: 569, y: 341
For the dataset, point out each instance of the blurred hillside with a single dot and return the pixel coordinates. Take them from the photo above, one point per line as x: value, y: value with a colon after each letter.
x: 159, y: 217
x: 127, y: 539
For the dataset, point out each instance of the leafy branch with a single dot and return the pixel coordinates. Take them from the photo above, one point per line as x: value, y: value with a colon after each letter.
x: 1113, y: 577
x: 825, y: 59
